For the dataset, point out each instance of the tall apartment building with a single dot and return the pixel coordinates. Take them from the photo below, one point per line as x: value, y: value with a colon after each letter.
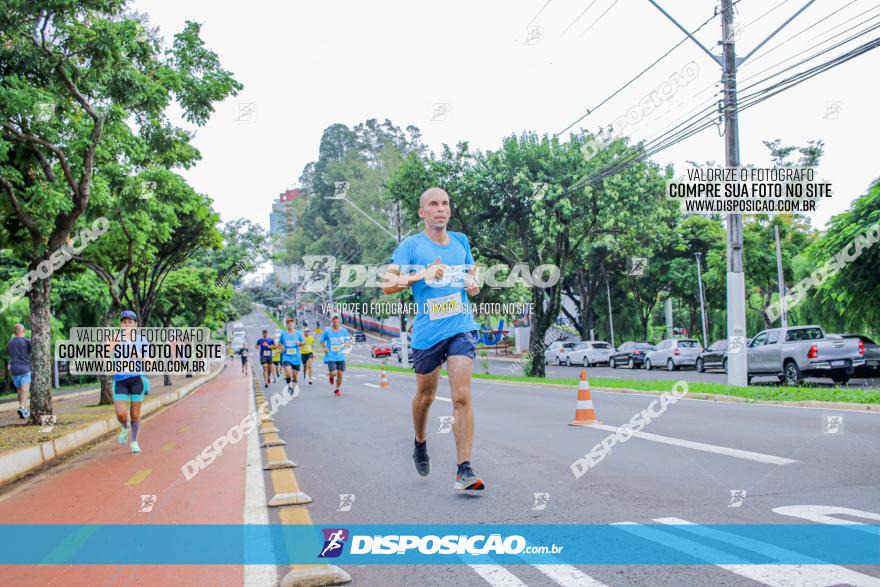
x: 282, y: 220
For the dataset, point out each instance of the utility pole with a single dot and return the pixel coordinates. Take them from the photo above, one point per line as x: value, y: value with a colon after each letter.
x: 736, y: 282
x: 736, y: 289
x: 702, y: 304
x: 610, y: 317
x: 404, y: 347
x: 781, y: 277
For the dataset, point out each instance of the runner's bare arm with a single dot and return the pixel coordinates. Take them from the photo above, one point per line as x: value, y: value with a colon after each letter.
x: 393, y: 281
x: 472, y: 286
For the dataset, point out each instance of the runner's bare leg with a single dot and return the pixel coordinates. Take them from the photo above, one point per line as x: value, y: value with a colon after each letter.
x: 462, y: 409
x: 426, y: 388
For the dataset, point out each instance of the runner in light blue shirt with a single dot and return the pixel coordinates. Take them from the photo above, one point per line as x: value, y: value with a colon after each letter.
x: 291, y: 359
x: 439, y: 267
x: 336, y: 341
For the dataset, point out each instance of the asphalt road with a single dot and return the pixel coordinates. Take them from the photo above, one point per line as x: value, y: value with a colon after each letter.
x: 361, y: 444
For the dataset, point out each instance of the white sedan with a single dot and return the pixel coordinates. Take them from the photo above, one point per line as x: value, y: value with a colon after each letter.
x: 557, y: 352
x: 589, y: 353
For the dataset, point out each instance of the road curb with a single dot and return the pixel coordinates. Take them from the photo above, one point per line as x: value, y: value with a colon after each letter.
x: 20, y: 462
x: 327, y: 575
x: 291, y: 502
x: 853, y: 407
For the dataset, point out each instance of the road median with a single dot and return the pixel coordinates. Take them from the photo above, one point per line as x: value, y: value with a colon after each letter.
x: 813, y: 397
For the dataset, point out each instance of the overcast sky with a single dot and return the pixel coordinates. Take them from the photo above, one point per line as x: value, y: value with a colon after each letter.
x: 307, y: 65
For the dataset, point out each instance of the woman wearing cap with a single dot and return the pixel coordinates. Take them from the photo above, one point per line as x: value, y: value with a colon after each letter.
x: 129, y: 388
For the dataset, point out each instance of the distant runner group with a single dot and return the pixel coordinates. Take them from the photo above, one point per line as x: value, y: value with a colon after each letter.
x: 293, y: 352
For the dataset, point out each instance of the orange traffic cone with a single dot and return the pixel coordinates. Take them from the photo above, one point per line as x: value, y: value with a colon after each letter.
x: 584, y: 414
x: 383, y: 380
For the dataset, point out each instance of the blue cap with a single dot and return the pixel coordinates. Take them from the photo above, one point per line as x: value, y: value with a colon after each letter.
x: 128, y: 314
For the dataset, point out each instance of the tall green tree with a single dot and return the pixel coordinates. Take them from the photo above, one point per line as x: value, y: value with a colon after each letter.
x: 77, y: 78
x: 852, y: 292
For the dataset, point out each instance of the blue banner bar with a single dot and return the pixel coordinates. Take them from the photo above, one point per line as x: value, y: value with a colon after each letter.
x: 618, y: 544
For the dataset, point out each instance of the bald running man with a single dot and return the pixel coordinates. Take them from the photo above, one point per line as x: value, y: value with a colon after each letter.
x: 438, y: 266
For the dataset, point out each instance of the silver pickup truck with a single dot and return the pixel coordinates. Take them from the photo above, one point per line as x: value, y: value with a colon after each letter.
x: 804, y: 351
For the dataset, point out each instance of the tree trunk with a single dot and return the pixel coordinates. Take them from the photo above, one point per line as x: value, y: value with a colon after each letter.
x: 107, y: 380
x: 41, y: 349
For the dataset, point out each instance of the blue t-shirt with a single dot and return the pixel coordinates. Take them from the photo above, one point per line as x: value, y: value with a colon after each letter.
x: 266, y: 345
x: 19, y: 355
x: 442, y: 308
x: 142, y: 348
x: 335, y: 340
x: 291, y: 353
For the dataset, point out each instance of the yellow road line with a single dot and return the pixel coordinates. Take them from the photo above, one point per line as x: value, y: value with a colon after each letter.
x: 166, y: 447
x: 139, y: 477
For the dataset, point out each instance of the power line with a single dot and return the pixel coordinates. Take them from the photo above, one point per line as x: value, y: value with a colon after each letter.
x: 826, y: 50
x: 765, y: 14
x: 822, y: 19
x: 745, y: 103
x: 613, y: 4
x: 640, y: 74
x: 540, y: 11
x: 578, y: 17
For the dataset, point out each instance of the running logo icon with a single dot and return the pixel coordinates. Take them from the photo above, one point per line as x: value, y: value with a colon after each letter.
x: 47, y: 423
x: 446, y: 423
x: 541, y: 500
x: 346, y: 500
x: 832, y: 424
x: 147, y: 503
x: 736, y: 498
x: 334, y: 540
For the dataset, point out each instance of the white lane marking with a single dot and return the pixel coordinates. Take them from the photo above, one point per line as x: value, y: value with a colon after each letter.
x: 497, y: 576
x: 806, y: 575
x: 371, y: 385
x: 779, y: 575
x: 822, y: 514
x: 255, y: 511
x: 568, y: 576
x: 443, y: 399
x: 802, y: 575
x: 713, y: 448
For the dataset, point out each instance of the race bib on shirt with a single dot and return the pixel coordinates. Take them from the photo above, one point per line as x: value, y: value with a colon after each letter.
x: 444, y: 306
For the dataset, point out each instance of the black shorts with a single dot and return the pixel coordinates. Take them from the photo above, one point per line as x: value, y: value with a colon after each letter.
x: 336, y: 366
x: 306, y: 357
x: 274, y: 362
x: 265, y: 360
x: 243, y: 360
x: 462, y: 344
x: 292, y: 366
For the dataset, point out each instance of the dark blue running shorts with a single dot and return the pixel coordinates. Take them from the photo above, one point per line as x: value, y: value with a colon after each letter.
x: 462, y: 344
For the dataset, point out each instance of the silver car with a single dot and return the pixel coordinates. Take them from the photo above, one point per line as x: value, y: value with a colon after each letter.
x: 589, y: 353
x: 673, y: 353
x: 557, y: 351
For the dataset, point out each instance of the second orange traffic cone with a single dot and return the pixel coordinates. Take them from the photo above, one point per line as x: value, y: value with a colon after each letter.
x: 585, y: 414
x: 383, y: 380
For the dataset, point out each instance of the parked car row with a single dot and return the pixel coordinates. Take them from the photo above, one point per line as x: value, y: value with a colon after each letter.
x: 791, y: 354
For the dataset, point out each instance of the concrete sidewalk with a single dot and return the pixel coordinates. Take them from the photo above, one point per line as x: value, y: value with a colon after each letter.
x: 110, y: 485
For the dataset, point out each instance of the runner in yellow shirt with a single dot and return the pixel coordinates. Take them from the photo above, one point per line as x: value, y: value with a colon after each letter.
x: 307, y: 350
x: 276, y: 360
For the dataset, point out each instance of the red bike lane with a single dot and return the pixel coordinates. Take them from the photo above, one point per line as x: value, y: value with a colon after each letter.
x: 106, y: 485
